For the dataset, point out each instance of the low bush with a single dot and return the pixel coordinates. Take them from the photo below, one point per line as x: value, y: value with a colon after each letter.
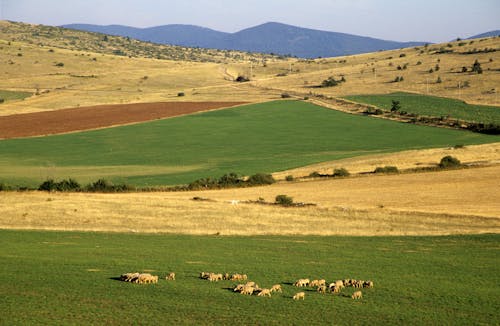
x: 64, y: 185
x: 386, y: 169
x: 285, y: 95
x: 289, y: 178
x: 242, y: 79
x: 284, y: 200
x: 103, y: 185
x: 342, y: 172
x: 180, y: 94
x: 261, y: 179
x: 449, y: 162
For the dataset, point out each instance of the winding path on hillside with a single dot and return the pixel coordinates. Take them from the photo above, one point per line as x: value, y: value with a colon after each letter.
x: 96, y: 117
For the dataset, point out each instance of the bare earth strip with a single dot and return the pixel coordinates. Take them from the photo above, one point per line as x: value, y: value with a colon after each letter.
x: 465, y: 201
x: 94, y: 117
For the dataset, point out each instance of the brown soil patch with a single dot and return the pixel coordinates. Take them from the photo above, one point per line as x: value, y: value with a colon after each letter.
x: 94, y: 117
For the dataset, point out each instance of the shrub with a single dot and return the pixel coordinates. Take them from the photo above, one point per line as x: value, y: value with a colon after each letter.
x: 329, y: 82
x: 1, y: 100
x: 395, y: 106
x: 284, y: 200
x: 103, y: 185
x: 315, y: 174
x: 261, y: 179
x: 449, y: 162
x: 402, y: 55
x: 386, y: 169
x: 285, y: 95
x: 230, y: 179
x: 289, y: 178
x: 342, y: 172
x: 439, y: 81
x: 476, y: 67
x: 242, y: 79
x: 180, y: 94
x: 64, y: 185
x: 59, y: 64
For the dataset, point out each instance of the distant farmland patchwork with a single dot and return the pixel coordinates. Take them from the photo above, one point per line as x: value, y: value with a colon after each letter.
x: 264, y: 137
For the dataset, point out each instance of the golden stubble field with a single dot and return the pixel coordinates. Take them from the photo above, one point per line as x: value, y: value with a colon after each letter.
x: 465, y: 201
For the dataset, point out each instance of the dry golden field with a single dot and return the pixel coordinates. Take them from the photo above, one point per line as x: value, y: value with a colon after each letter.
x: 463, y: 201
x: 488, y: 154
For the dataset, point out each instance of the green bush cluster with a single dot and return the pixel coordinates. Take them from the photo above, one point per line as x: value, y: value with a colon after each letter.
x: 283, y: 200
x: 231, y: 180
x: 449, y: 162
x: 71, y: 185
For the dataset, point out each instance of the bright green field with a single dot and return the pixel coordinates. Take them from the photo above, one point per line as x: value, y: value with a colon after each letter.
x: 61, y: 278
x: 250, y: 139
x: 9, y: 95
x: 433, y: 106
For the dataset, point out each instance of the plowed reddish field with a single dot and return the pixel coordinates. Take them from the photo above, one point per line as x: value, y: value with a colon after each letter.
x: 94, y: 117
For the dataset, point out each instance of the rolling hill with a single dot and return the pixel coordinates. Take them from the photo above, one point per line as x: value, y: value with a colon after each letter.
x: 266, y: 38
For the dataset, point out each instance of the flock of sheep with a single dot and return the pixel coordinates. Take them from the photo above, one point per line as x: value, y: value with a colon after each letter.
x: 143, y: 278
x: 250, y: 288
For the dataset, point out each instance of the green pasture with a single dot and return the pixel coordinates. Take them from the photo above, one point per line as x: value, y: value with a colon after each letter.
x: 265, y: 138
x: 11, y: 95
x: 58, y: 278
x: 433, y: 106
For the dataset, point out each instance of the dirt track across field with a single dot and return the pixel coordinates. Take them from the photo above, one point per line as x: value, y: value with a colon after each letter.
x: 94, y: 117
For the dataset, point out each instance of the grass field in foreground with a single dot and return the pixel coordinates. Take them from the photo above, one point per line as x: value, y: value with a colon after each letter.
x: 264, y: 137
x: 67, y: 278
x: 433, y: 106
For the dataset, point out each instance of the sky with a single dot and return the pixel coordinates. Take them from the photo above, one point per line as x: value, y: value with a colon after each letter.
x: 398, y: 20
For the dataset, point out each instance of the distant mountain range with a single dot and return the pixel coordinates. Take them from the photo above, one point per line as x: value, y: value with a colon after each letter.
x: 271, y: 37
x: 487, y: 34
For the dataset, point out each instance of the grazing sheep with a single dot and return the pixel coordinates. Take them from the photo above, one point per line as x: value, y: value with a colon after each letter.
x: 239, y: 277
x: 358, y: 284
x: 170, y: 277
x: 247, y: 290
x: 212, y: 277
x: 302, y: 282
x: 264, y: 292
x: 335, y: 289
x: 322, y: 289
x: 339, y: 284
x: 368, y: 284
x: 276, y: 288
x: 155, y: 279
x: 239, y: 288
x: 226, y: 276
x: 204, y: 275
x: 314, y: 283
x: 357, y: 295
x: 253, y: 284
x: 145, y: 278
x: 299, y: 295
x: 321, y: 282
x: 129, y: 277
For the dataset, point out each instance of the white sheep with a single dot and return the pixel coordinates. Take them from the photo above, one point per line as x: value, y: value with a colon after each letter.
x: 264, y: 292
x: 276, y: 288
x: 299, y: 295
x: 170, y: 277
x: 247, y: 290
x: 357, y: 295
